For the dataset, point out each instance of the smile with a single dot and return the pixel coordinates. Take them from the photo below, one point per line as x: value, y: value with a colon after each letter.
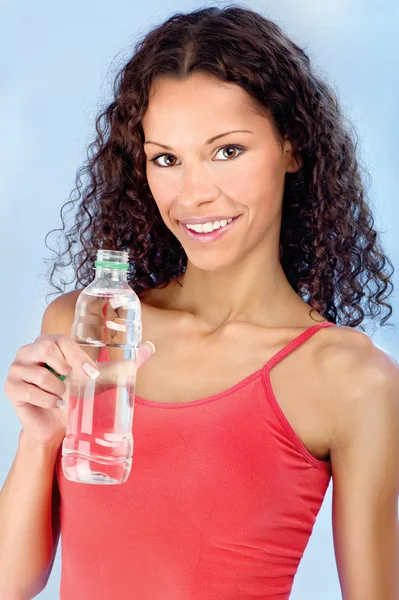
x: 211, y: 236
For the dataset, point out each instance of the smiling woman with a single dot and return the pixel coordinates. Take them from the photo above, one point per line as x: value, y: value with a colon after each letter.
x: 224, y: 168
x: 265, y: 81
x: 206, y: 185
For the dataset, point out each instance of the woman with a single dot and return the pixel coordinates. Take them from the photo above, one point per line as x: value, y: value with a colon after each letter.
x: 224, y: 168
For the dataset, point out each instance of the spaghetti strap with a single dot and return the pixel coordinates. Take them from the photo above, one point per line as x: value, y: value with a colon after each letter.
x: 300, y: 339
x: 103, y: 356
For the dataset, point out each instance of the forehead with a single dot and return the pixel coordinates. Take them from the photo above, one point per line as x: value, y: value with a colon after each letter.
x: 197, y: 101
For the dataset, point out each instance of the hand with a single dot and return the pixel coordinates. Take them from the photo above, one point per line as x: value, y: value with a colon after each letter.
x: 34, y: 390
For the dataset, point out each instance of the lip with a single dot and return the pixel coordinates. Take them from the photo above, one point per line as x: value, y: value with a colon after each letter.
x: 197, y: 221
x: 206, y: 238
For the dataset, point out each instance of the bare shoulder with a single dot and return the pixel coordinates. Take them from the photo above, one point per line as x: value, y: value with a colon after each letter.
x: 59, y: 314
x: 352, y: 354
x: 355, y: 374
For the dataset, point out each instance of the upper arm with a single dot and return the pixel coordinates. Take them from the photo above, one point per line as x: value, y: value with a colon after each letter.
x: 57, y: 320
x: 59, y: 314
x: 365, y: 468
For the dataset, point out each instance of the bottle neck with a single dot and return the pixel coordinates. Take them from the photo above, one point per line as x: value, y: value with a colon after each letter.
x: 104, y: 274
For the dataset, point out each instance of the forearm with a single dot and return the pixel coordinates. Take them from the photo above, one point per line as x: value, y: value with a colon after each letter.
x: 26, y: 538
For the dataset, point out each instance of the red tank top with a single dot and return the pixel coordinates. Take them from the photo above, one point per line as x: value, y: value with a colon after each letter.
x: 220, y: 502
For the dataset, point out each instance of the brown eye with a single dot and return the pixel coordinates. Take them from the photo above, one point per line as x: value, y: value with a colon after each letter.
x: 168, y: 156
x: 233, y: 147
x: 229, y: 149
x: 156, y: 158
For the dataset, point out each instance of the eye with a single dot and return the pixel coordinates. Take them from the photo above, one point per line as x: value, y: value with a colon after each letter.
x: 235, y: 147
x: 154, y: 160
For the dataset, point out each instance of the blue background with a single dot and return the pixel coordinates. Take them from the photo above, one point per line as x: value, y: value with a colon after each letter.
x: 57, y: 64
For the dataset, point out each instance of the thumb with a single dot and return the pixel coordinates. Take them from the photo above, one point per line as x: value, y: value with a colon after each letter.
x: 146, y: 350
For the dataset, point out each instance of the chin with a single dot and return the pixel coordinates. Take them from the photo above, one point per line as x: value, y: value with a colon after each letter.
x: 210, y: 263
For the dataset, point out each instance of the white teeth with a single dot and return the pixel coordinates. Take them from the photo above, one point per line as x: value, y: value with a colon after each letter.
x: 208, y: 227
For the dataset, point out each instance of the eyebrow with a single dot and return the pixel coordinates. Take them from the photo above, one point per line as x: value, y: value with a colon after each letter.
x: 212, y: 139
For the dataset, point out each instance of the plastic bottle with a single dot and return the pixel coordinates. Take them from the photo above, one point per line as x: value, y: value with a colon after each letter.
x: 98, y: 446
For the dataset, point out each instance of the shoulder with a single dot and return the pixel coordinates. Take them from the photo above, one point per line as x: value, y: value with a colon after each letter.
x: 59, y: 314
x: 352, y: 354
x: 361, y: 383
x: 358, y: 377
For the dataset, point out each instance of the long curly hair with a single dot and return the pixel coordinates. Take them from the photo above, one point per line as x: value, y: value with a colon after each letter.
x: 329, y: 249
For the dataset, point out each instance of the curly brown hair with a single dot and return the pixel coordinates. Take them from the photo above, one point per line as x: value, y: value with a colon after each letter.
x: 329, y: 249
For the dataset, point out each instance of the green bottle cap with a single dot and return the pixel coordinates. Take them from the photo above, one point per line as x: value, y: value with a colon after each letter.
x: 62, y: 377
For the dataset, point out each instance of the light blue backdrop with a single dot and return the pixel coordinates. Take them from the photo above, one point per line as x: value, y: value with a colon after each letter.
x: 57, y: 62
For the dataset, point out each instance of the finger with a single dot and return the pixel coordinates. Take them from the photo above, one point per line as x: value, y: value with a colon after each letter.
x: 146, y: 350
x: 38, y: 376
x: 46, y: 366
x: 44, y: 350
x: 25, y: 393
x: 73, y: 356
x: 60, y: 352
x: 77, y: 358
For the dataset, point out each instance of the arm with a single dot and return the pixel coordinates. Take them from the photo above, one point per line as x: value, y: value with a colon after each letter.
x: 365, y: 465
x: 26, y: 544
x: 29, y: 499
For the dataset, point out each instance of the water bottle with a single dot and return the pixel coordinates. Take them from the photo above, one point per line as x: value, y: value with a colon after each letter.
x: 98, y: 445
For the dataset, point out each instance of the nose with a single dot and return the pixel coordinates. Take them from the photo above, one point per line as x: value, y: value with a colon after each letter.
x: 198, y: 187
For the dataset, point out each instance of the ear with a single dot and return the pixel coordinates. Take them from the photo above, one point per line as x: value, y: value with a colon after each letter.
x: 293, y: 160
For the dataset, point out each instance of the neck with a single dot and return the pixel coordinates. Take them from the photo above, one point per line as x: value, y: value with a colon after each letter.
x: 258, y: 293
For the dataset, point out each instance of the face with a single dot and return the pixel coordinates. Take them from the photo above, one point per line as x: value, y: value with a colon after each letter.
x: 239, y: 175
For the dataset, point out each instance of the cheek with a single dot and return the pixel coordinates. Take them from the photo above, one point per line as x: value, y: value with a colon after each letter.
x: 160, y: 192
x: 258, y: 185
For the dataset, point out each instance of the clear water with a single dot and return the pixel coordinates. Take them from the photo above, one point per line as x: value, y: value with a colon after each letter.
x: 98, y: 446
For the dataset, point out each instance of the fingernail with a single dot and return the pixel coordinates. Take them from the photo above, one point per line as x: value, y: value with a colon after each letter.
x: 151, y: 345
x: 60, y: 403
x: 90, y: 370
